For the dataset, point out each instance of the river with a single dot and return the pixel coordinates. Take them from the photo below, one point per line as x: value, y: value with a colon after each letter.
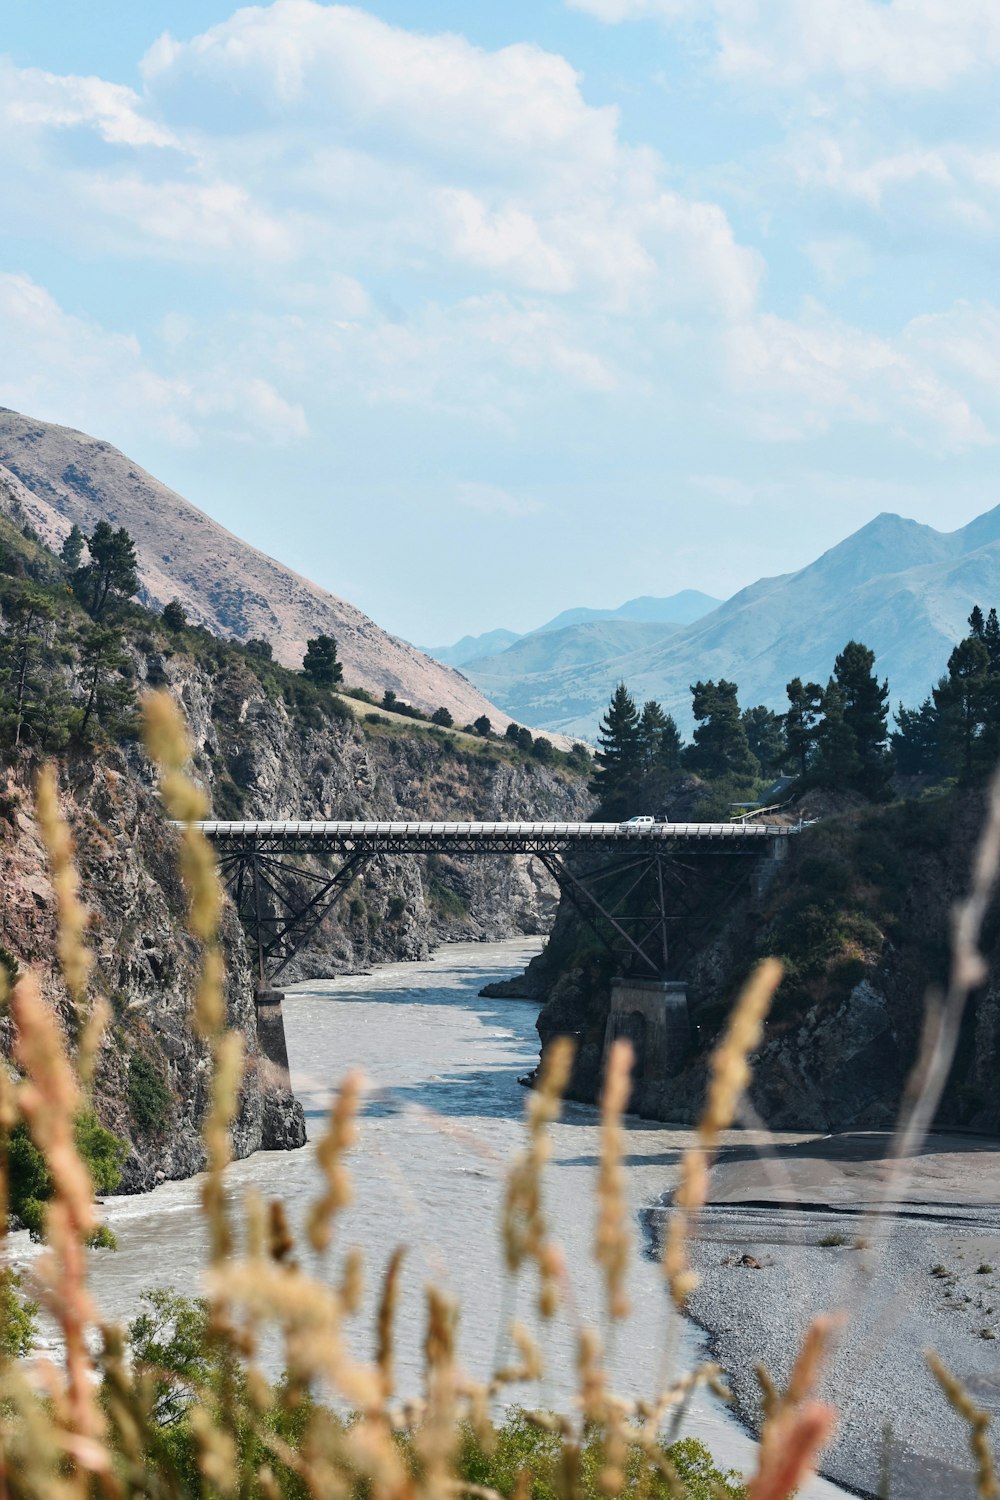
x: 442, y: 1117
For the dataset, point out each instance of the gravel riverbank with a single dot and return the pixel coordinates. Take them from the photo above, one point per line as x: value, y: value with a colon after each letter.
x: 785, y: 1240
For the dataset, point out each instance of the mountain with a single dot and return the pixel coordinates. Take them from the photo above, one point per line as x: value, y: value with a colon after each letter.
x: 676, y: 609
x: 60, y: 476
x: 470, y: 647
x: 903, y: 588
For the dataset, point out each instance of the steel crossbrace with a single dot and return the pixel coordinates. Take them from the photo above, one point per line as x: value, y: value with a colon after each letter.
x: 587, y: 904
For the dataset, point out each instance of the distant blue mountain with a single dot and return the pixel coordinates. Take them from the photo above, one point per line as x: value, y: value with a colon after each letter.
x: 902, y: 588
x: 677, y: 609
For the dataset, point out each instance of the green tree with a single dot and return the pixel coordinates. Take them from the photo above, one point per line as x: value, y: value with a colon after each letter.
x: 174, y: 617
x: 102, y: 662
x: 805, y: 704
x: 71, y: 551
x: 720, y: 745
x: 991, y: 637
x: 962, y: 700
x: 18, y: 1326
x: 169, y: 1341
x: 29, y: 613
x: 112, y: 572
x: 916, y: 740
x: 543, y: 750
x: 866, y: 713
x: 837, y: 762
x: 766, y: 738
x: 260, y: 649
x: 619, y: 757
x: 660, y: 741
x: 443, y: 717
x: 483, y: 726
x: 320, y: 662
x: 525, y: 739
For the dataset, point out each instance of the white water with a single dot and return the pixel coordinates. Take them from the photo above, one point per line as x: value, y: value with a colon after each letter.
x: 441, y: 1120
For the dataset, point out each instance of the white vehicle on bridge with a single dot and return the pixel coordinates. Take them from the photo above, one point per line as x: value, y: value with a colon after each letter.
x: 640, y: 821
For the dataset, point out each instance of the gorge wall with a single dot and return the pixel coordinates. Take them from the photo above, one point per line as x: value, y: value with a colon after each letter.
x: 859, y: 914
x: 258, y: 756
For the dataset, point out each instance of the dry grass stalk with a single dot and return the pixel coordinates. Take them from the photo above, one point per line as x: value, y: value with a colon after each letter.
x: 729, y: 1074
x: 386, y: 1322
x: 797, y: 1426
x: 75, y: 958
x: 525, y: 1233
x: 987, y: 1484
x: 341, y: 1134
x: 49, y: 1100
x: 613, y: 1241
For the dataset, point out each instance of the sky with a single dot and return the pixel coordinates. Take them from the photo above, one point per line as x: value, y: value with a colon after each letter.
x: 476, y: 312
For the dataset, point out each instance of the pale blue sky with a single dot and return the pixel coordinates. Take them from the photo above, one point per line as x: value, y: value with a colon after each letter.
x: 475, y: 313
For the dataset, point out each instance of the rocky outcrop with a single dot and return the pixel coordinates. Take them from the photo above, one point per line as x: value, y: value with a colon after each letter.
x: 859, y: 912
x: 151, y: 1086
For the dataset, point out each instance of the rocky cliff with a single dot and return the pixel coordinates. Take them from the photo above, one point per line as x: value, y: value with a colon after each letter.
x: 152, y: 1079
x: 859, y: 913
x: 260, y: 758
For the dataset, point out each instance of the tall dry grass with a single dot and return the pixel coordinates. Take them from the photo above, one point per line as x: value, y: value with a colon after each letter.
x: 90, y: 1421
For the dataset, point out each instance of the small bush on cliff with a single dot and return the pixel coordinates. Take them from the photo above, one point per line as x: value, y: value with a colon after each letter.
x: 148, y: 1094
x: 30, y: 1182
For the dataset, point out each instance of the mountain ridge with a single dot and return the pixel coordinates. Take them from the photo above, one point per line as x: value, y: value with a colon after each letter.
x: 902, y: 587
x: 61, y: 476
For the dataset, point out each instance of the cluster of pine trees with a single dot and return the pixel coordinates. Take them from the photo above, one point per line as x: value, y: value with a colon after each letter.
x: 837, y: 736
x: 956, y: 730
x: 40, y: 702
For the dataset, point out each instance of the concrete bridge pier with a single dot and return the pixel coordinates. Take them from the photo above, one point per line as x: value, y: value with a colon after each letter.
x: 271, y: 1035
x: 653, y: 1015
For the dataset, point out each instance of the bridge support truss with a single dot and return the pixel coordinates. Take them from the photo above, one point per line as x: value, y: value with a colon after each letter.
x: 632, y: 889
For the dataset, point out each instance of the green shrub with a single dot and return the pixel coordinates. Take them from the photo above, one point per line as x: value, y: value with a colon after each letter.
x: 148, y: 1094
x: 18, y: 1326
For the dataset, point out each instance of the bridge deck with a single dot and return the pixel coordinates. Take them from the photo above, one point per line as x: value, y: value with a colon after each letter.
x: 431, y: 837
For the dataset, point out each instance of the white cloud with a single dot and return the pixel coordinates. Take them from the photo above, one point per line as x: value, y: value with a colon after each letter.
x: 31, y: 98
x: 71, y: 370
x: 800, y: 378
x: 904, y: 45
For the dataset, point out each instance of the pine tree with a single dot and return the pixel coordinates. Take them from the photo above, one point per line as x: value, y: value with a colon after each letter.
x: 720, y: 745
x: 619, y: 757
x: 805, y: 702
x: 963, y: 700
x: 866, y: 712
x: 321, y: 666
x: 71, y: 551
x: 102, y: 662
x: 916, y: 741
x: 991, y: 637
x: 111, y: 573
x: 977, y: 625
x: 28, y: 612
x: 837, y: 763
x: 660, y: 741
x: 173, y: 616
x: 766, y: 738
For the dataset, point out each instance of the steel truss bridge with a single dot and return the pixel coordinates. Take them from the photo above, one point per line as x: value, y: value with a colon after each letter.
x: 626, y: 882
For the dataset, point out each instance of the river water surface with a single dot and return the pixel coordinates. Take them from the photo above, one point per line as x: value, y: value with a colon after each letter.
x: 442, y: 1117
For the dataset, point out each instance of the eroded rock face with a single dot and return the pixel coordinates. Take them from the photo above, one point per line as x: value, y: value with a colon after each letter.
x: 860, y: 911
x: 261, y: 761
x: 258, y: 760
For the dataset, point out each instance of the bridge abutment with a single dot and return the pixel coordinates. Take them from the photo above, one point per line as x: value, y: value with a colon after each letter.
x: 653, y: 1015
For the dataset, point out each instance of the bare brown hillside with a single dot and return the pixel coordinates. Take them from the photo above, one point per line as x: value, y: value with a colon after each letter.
x: 61, y: 476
